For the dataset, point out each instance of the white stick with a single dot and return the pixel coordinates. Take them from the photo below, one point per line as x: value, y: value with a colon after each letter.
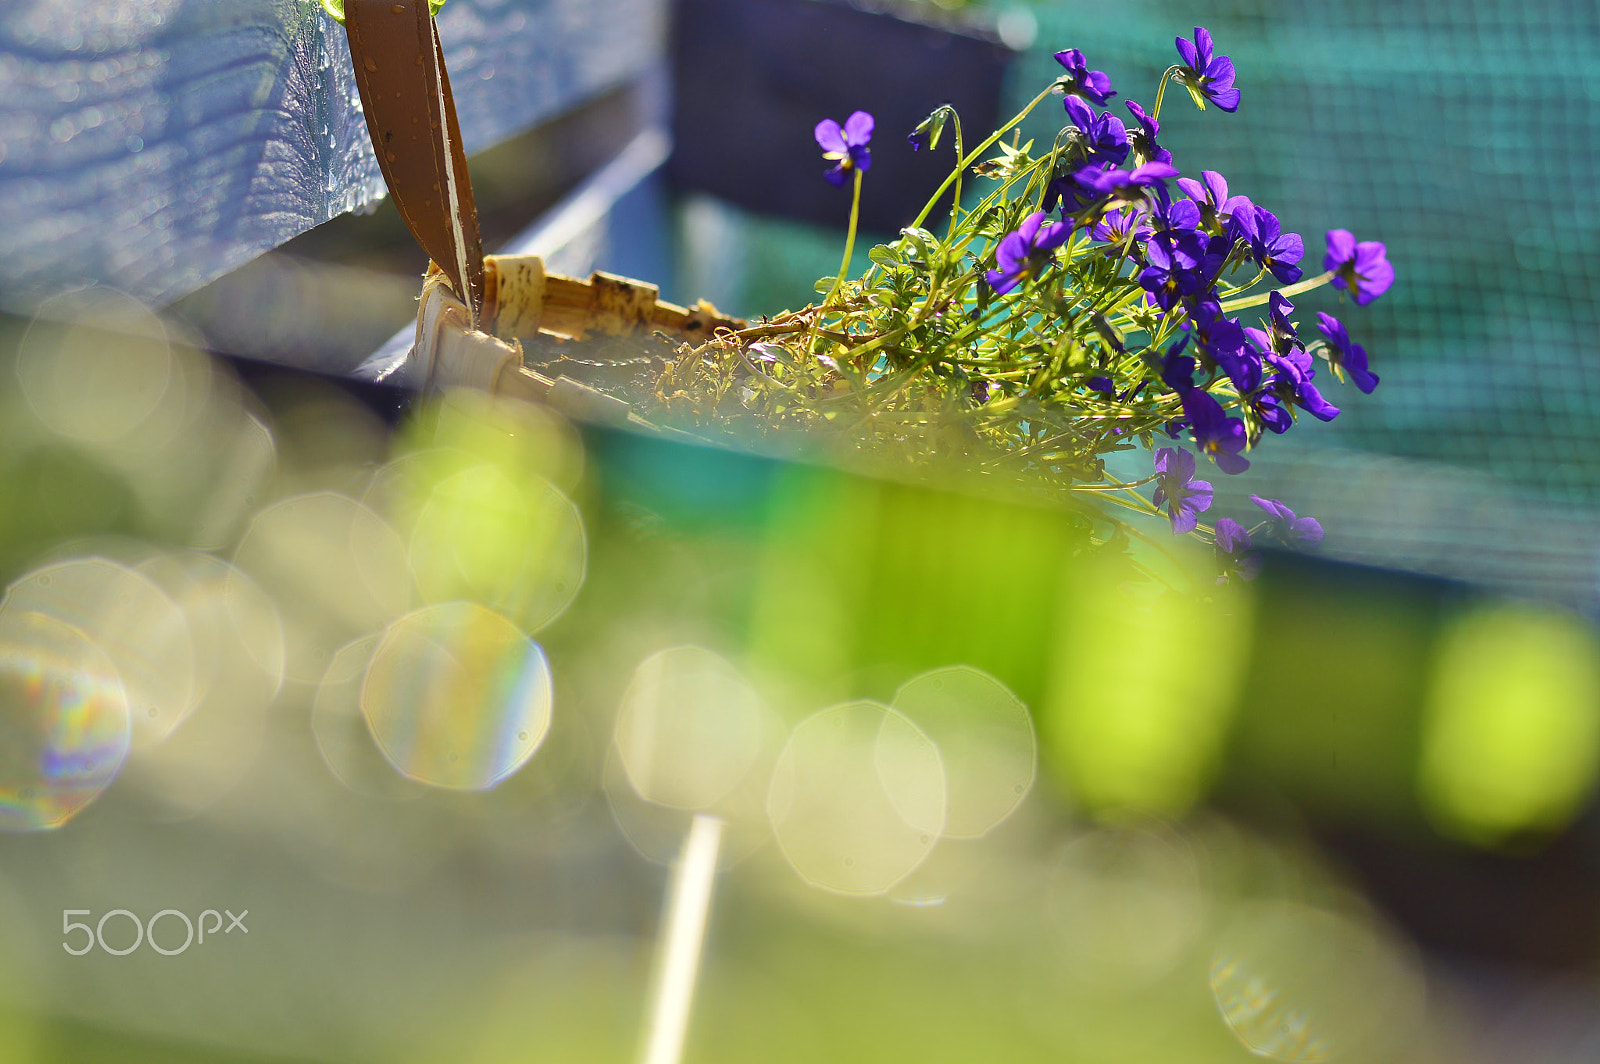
x: 685, y: 931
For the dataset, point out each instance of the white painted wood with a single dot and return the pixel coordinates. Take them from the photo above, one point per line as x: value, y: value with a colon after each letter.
x: 155, y: 144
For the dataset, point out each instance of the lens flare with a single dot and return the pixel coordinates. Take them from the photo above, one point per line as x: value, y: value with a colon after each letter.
x: 515, y: 545
x: 136, y: 624
x: 336, y: 570
x: 689, y: 728
x: 1305, y: 985
x: 239, y: 657
x: 456, y: 696
x: 858, y: 798
x: 1129, y: 904
x: 341, y: 732
x: 984, y: 735
x: 64, y: 727
x: 95, y: 365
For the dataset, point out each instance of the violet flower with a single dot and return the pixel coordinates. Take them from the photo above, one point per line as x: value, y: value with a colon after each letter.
x: 1278, y: 309
x: 1115, y: 226
x: 1294, y: 372
x: 1143, y: 137
x: 1210, y: 76
x: 1234, y: 553
x: 1361, y: 269
x: 1222, y: 340
x: 1026, y: 252
x: 1165, y: 279
x: 847, y: 147
x: 1184, y: 497
x: 1210, y: 193
x: 1286, y: 527
x: 1176, y: 230
x: 1080, y: 80
x: 1105, y: 137
x: 1275, y: 251
x: 1215, y: 433
x: 1345, y: 355
x: 1125, y: 184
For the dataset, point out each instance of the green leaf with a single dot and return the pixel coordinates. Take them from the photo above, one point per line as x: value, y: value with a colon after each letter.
x: 824, y: 285
x: 884, y: 256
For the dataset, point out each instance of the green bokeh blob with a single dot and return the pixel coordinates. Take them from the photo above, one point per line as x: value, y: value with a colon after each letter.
x: 1511, y: 736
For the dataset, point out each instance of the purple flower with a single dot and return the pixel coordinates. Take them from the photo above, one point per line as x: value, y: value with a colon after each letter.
x: 1184, y: 497
x: 1205, y: 75
x: 1275, y: 251
x: 1176, y: 230
x: 1124, y: 184
x: 1143, y: 136
x: 1292, y: 380
x: 1215, y: 433
x: 1234, y: 553
x: 1105, y: 137
x: 1079, y: 79
x: 1025, y: 252
x: 1165, y: 279
x: 1361, y: 269
x: 1102, y: 385
x: 847, y: 147
x: 1279, y: 308
x: 1350, y: 357
x: 1177, y: 368
x: 1115, y: 226
x: 1272, y: 413
x: 1222, y: 340
x: 1217, y: 208
x: 1283, y: 524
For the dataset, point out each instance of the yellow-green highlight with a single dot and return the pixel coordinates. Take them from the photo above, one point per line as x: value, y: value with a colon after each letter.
x: 1143, y: 689
x: 1511, y: 733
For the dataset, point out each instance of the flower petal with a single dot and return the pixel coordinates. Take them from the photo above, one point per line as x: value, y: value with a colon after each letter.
x: 1081, y: 113
x: 1307, y: 529
x: 1052, y: 236
x: 858, y: 128
x: 830, y: 137
x: 1186, y: 52
x: 1341, y: 249
x: 1001, y: 281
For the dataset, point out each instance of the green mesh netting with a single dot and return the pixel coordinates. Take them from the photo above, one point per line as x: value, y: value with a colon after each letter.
x: 1463, y: 135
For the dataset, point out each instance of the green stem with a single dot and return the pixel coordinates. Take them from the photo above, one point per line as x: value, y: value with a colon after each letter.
x: 1293, y: 290
x: 849, y: 240
x: 975, y: 153
x: 1161, y: 91
x: 955, y: 204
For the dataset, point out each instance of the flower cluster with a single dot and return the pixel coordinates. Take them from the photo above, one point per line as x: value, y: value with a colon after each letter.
x: 1097, y: 298
x: 1185, y: 249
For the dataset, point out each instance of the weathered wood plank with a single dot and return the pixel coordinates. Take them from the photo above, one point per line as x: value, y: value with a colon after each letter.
x: 156, y: 144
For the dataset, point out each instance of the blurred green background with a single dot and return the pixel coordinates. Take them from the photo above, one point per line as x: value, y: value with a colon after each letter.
x: 1340, y: 813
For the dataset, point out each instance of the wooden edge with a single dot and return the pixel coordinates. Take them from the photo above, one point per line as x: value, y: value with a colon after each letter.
x: 522, y: 299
